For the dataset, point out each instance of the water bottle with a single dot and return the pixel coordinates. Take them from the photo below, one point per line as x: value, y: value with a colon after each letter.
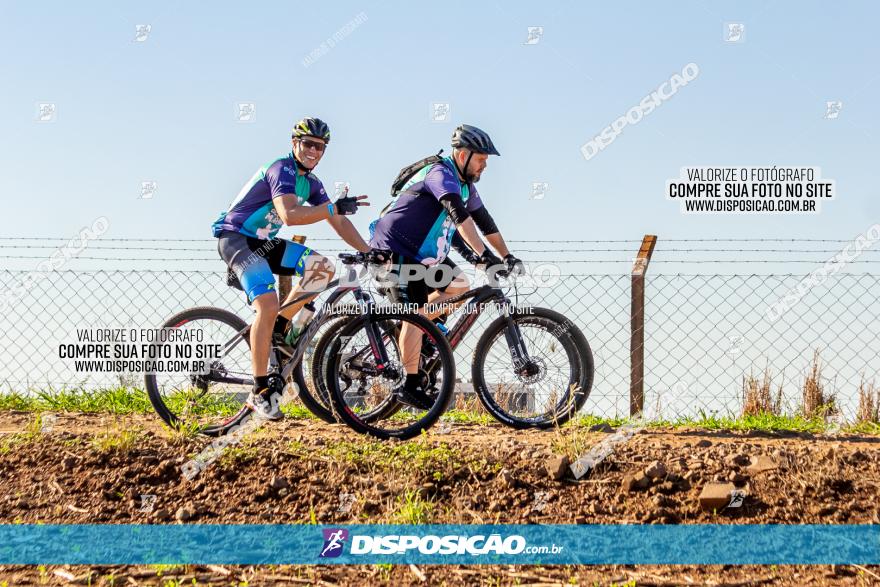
x: 299, y: 323
x: 428, y: 348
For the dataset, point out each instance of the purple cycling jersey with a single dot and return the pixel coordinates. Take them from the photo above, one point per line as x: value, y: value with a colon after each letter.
x: 252, y: 212
x: 417, y: 225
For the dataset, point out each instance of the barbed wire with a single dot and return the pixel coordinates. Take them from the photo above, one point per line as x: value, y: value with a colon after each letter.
x: 562, y: 241
x: 519, y: 250
x: 559, y: 261
x: 222, y: 272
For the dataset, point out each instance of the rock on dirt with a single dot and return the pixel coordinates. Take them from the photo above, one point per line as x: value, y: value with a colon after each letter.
x: 185, y: 513
x: 715, y: 496
x: 506, y: 479
x: 558, y: 467
x: 635, y: 481
x: 761, y: 463
x: 279, y: 483
x: 737, y: 460
x: 656, y: 470
x: 603, y: 427
x: 694, y: 469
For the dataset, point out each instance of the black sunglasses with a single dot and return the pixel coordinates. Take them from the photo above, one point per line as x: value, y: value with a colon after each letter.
x: 319, y: 147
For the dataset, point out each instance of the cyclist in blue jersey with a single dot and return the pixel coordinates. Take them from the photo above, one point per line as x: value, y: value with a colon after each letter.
x: 438, y: 203
x: 274, y: 197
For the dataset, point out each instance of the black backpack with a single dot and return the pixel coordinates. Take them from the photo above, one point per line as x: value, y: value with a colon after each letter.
x: 410, y: 170
x: 404, y: 176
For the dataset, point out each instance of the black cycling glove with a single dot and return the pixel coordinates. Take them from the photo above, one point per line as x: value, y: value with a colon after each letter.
x: 378, y: 256
x: 514, y: 266
x: 346, y: 205
x: 488, y: 258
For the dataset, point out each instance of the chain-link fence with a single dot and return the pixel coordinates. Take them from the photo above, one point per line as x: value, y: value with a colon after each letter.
x: 703, y: 333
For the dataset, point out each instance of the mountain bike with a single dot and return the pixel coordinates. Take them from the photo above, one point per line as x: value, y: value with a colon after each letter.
x: 198, y: 399
x: 532, y: 367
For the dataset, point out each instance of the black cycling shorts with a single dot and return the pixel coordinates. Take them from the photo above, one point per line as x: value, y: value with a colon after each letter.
x: 402, y: 288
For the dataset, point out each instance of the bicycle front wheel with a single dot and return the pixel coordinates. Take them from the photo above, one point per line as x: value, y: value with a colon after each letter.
x: 308, y: 373
x: 550, y: 387
x: 371, y: 406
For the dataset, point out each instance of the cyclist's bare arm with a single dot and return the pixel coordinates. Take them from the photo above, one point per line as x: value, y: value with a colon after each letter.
x: 346, y: 230
x: 292, y: 214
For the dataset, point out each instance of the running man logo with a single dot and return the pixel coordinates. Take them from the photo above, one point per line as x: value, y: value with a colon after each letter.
x: 334, y: 540
x: 737, y: 497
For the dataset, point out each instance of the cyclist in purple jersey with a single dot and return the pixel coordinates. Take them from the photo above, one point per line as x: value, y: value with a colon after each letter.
x: 274, y: 197
x: 438, y: 204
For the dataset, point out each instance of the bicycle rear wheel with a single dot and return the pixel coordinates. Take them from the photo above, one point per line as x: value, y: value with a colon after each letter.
x: 211, y: 402
x: 371, y: 407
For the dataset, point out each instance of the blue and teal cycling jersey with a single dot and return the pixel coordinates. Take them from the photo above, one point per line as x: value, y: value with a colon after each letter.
x: 252, y: 212
x: 416, y: 225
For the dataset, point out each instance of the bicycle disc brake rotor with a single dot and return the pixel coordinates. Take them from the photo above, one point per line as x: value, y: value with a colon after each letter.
x: 533, y: 372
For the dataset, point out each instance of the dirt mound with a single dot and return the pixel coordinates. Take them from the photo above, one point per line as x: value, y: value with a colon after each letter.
x: 127, y: 470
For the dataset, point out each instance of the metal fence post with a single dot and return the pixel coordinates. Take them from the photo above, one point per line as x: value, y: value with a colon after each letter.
x: 284, y: 281
x: 637, y: 326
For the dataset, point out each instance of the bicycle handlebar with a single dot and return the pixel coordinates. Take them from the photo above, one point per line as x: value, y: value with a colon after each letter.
x: 372, y: 257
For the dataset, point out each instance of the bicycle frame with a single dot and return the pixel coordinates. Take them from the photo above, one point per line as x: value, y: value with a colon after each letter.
x: 478, y: 297
x: 364, y: 302
x: 473, y: 309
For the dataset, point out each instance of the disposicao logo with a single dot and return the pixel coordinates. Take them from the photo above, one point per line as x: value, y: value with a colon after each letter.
x: 334, y: 540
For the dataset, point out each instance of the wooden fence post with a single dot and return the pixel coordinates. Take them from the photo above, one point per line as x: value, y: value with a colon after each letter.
x: 637, y: 326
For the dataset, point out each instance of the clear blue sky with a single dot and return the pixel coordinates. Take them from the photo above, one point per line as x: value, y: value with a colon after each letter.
x: 164, y: 109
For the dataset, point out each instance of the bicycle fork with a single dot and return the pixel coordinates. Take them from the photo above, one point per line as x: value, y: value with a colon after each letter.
x: 518, y: 352
x: 374, y: 334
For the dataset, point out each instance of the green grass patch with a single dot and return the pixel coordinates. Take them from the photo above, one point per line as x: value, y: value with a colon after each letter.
x: 763, y: 422
x: 130, y: 400
x: 458, y: 416
x: 297, y: 411
x: 15, y: 401
x: 114, y: 400
x: 32, y: 432
x: 412, y: 508
x: 863, y: 428
x: 588, y: 420
x: 234, y: 455
x: 116, y: 441
x: 419, y: 454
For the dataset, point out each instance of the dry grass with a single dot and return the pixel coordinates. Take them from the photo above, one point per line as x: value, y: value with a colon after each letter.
x: 758, y: 398
x: 869, y: 403
x: 817, y: 403
x: 468, y: 403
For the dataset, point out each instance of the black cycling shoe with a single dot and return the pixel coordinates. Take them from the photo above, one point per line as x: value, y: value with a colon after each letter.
x: 414, y: 396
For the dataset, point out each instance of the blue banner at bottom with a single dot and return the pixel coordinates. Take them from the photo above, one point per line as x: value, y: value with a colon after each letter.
x: 439, y: 544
